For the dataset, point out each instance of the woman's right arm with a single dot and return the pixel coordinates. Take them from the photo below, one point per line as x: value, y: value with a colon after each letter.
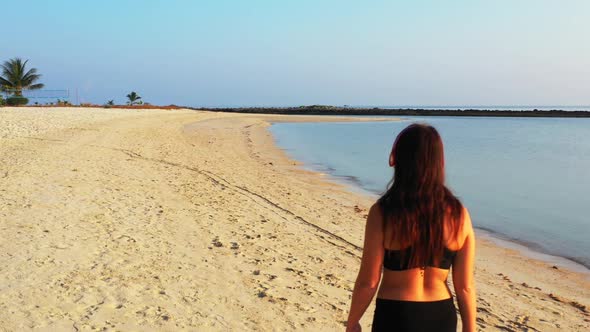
x: 463, y: 276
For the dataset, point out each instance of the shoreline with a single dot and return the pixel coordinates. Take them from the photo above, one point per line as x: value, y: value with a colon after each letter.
x: 488, y: 241
x: 181, y: 219
x: 527, y: 249
x: 548, y: 258
x: 362, y: 111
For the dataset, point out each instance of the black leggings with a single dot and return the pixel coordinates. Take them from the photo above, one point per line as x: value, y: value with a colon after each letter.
x: 393, y: 315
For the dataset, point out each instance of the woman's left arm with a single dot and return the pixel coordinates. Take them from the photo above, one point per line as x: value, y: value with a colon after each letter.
x: 369, y: 275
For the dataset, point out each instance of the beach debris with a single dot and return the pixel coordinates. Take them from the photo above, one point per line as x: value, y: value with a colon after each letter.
x: 256, y: 272
x: 316, y: 259
x: 555, y: 297
x: 357, y: 209
x: 217, y: 243
x: 165, y: 317
x: 579, y: 306
x: 555, y: 267
x: 298, y: 272
x: 234, y: 246
x: 262, y: 294
x: 129, y: 238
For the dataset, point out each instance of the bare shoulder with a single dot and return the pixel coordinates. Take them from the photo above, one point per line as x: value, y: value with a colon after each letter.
x: 375, y: 214
x: 462, y: 228
x: 466, y: 221
x: 375, y: 209
x: 466, y: 228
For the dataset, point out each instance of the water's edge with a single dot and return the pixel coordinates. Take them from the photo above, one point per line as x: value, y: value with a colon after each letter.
x: 354, y: 185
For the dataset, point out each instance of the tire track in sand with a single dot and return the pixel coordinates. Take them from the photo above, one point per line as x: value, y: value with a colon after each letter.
x: 257, y: 198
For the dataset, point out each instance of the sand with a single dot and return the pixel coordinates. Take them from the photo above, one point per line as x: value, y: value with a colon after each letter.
x: 154, y: 220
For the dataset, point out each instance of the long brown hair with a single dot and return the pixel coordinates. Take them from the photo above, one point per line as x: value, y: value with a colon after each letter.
x: 417, y: 206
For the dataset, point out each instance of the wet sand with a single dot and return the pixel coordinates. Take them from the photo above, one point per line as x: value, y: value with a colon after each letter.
x: 180, y: 220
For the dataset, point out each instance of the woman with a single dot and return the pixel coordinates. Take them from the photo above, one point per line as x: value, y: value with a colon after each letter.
x: 416, y: 231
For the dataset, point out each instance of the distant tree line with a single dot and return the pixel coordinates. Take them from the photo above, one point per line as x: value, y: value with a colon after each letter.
x: 133, y: 98
x: 16, y: 78
x: 336, y: 110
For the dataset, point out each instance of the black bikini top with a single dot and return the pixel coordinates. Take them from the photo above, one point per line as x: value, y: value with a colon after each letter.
x: 399, y: 260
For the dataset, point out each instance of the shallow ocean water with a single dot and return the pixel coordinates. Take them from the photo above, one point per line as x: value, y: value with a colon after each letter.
x: 523, y: 179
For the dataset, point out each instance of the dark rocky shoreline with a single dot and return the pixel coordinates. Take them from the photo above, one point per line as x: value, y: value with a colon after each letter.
x: 333, y: 110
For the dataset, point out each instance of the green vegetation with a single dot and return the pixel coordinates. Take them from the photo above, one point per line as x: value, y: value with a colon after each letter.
x: 63, y: 102
x: 2, y: 101
x: 133, y: 98
x: 16, y: 78
x: 348, y: 110
x: 109, y: 104
x: 318, y: 107
x: 17, y: 101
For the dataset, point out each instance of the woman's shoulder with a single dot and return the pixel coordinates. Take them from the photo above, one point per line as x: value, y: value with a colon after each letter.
x: 465, y: 227
x: 376, y: 207
x: 375, y: 213
x: 460, y: 228
x: 466, y: 220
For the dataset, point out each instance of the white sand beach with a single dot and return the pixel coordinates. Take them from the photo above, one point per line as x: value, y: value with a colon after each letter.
x: 168, y: 220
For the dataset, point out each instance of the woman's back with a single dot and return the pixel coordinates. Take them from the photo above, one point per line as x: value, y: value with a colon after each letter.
x: 420, y: 284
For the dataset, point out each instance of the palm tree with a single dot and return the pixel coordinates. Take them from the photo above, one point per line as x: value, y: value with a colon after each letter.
x: 15, y: 78
x: 133, y: 98
x: 111, y: 103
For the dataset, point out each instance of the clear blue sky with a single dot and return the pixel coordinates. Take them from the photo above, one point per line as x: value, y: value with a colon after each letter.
x: 257, y: 52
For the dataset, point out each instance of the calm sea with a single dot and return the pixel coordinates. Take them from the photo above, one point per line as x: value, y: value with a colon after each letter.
x: 523, y: 179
